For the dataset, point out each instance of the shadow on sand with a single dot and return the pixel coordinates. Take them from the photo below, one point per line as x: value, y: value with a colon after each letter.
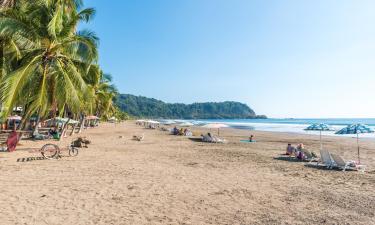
x: 198, y: 139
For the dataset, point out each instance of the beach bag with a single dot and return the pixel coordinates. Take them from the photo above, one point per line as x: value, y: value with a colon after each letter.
x: 56, y: 136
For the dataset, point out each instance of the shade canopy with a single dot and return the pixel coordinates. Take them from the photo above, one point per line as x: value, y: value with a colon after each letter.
x: 215, y: 125
x: 319, y: 127
x: 355, y: 129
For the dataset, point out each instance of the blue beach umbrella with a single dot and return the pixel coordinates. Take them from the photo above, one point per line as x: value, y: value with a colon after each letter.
x: 319, y: 127
x: 356, y: 129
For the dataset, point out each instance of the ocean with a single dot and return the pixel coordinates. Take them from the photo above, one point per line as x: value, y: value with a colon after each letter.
x: 289, y: 125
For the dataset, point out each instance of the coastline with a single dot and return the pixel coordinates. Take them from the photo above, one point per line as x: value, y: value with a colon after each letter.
x: 292, y: 126
x: 168, y: 179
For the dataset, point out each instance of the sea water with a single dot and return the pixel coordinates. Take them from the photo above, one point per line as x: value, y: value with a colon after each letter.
x: 289, y: 125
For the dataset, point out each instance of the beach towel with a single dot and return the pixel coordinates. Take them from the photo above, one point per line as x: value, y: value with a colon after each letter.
x: 248, y: 141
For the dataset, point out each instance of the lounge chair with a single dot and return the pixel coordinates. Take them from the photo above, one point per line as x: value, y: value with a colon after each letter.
x: 206, y: 138
x: 212, y: 139
x: 218, y: 140
x: 344, y: 165
x: 326, y: 159
x: 309, y: 156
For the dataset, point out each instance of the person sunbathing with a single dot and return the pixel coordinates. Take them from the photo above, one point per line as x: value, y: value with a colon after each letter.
x: 187, y: 132
x: 175, y: 131
x: 300, y: 151
x: 290, y: 150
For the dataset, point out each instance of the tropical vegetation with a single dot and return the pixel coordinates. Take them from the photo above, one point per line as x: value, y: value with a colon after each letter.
x: 139, y: 106
x: 49, y: 67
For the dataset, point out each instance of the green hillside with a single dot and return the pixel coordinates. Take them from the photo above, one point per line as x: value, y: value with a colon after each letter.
x: 139, y: 106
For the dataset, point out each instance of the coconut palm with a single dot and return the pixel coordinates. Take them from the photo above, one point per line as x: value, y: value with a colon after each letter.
x: 102, y: 92
x: 7, y: 3
x: 51, y: 56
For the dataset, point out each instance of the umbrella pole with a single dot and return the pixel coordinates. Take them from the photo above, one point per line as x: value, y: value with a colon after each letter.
x: 218, y: 131
x: 321, y: 146
x: 359, y: 161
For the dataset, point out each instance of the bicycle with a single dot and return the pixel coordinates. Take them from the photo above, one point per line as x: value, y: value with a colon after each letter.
x: 52, y: 151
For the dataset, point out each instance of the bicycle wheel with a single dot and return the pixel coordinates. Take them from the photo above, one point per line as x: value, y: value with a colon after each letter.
x: 50, y: 151
x: 73, y: 151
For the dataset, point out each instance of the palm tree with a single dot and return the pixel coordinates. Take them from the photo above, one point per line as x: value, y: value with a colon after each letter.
x: 4, y: 4
x: 102, y: 92
x: 7, y: 3
x: 51, y: 56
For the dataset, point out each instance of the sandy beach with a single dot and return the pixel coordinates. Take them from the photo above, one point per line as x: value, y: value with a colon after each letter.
x: 169, y: 179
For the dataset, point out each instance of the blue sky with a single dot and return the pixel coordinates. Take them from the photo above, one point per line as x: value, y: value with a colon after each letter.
x: 287, y: 58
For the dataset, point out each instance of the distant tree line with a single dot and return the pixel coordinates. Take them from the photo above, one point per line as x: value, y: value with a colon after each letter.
x: 138, y: 106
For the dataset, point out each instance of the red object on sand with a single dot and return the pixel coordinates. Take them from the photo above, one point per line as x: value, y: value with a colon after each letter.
x: 12, y: 141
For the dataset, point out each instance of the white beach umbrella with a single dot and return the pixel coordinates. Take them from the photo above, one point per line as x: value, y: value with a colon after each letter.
x: 215, y: 126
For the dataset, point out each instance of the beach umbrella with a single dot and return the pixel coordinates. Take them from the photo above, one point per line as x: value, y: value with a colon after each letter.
x: 356, y: 129
x: 215, y: 126
x: 319, y: 127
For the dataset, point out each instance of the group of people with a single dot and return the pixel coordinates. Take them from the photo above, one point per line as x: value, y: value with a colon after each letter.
x: 182, y: 132
x: 298, y: 152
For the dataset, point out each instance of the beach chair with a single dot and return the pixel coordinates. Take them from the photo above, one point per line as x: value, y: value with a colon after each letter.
x: 309, y: 156
x: 326, y: 159
x: 216, y: 139
x: 344, y: 165
x: 206, y: 138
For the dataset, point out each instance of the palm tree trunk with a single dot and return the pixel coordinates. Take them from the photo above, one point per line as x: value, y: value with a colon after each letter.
x: 1, y: 65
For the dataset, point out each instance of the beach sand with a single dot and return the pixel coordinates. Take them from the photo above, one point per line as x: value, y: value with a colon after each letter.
x: 169, y: 179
